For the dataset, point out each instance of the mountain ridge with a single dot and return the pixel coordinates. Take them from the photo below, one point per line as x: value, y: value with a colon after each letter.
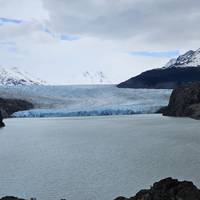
x: 184, y: 69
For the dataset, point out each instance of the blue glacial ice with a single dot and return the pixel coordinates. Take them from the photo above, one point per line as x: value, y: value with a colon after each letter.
x: 91, y: 100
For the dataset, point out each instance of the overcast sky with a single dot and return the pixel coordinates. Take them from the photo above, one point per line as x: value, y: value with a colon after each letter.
x: 58, y: 40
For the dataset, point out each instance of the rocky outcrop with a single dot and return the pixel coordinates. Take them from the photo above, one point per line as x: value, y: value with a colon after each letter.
x: 168, y: 189
x: 184, y: 102
x: 9, y: 106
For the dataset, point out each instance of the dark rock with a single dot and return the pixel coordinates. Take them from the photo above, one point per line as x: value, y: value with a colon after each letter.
x: 163, y: 78
x: 120, y: 198
x: 11, y: 198
x: 162, y: 110
x: 184, y: 102
x: 2, y: 124
x: 1, y: 120
x: 193, y: 111
x: 9, y: 106
x: 168, y: 189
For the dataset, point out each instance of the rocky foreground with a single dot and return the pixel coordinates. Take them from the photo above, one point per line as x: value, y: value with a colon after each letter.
x: 184, y: 102
x: 168, y: 189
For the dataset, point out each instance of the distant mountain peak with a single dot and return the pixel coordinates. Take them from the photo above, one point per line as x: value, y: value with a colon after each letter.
x: 14, y: 76
x: 97, y: 77
x: 189, y: 59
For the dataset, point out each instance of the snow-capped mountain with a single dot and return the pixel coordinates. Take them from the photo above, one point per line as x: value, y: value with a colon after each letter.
x: 179, y: 71
x: 189, y: 59
x: 14, y: 76
x: 170, y: 63
x: 97, y: 77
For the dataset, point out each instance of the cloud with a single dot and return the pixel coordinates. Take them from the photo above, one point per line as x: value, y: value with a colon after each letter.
x: 10, y: 31
x: 142, y: 22
x: 150, y: 21
x: 23, y: 10
x: 7, y: 44
x: 13, y: 28
x: 165, y: 54
x: 60, y: 36
x: 11, y: 47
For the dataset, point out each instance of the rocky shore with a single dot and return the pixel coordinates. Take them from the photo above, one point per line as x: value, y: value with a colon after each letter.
x: 9, y: 106
x: 184, y: 102
x: 168, y: 189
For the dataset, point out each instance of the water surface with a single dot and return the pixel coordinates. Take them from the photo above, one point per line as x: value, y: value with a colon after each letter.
x: 95, y: 158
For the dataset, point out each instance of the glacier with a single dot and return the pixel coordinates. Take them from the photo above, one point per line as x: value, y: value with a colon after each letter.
x: 86, y: 100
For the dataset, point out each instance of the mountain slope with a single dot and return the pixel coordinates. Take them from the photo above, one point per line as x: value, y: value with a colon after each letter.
x: 14, y: 76
x: 184, y: 69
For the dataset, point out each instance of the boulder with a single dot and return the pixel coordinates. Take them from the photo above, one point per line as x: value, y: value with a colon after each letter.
x: 184, y: 102
x: 168, y: 189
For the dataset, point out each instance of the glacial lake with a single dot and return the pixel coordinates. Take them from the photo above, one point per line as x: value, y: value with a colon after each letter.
x: 95, y: 158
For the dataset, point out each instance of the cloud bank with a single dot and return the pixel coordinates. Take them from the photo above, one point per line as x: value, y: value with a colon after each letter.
x: 152, y: 21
